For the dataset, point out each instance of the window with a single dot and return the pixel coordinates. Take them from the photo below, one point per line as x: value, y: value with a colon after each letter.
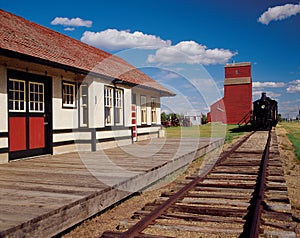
x: 118, y: 106
x: 36, y: 97
x: 143, y: 110
x: 133, y: 98
x: 153, y: 110
x: 83, y: 102
x: 108, y: 103
x: 68, y: 95
x: 113, y: 101
x: 16, y: 95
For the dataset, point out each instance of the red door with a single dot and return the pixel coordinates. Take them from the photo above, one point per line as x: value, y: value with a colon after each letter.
x: 29, y: 128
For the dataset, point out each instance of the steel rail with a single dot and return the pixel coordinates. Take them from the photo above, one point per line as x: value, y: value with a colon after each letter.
x: 136, y: 229
x: 261, y: 185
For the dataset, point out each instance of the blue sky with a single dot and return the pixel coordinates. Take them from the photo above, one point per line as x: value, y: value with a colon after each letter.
x: 185, y: 44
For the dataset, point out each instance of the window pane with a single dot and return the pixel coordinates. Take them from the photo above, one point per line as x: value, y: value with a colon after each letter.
x: 36, y: 97
x: 22, y: 96
x: 16, y: 95
x: 10, y: 95
x: 22, y: 85
x: 22, y: 106
x: 84, y: 100
x: 68, y: 97
x: 107, y: 115
x: 16, y: 105
x: 117, y: 115
x: 108, y: 97
x: 10, y: 84
x: 31, y: 106
x: 85, y: 116
x: 41, y: 97
x: 31, y: 87
x: 41, y: 106
x: 17, y: 86
x: 84, y: 90
x: 10, y: 105
x: 143, y: 109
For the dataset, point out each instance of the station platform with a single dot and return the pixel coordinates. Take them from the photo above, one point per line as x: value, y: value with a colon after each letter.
x: 43, y: 196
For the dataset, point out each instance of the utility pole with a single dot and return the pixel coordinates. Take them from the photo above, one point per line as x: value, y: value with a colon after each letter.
x: 299, y: 115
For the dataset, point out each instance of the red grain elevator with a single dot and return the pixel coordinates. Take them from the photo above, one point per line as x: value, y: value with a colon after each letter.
x: 236, y: 104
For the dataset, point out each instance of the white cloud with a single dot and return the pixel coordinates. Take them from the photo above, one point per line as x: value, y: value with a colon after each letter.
x: 257, y: 94
x: 279, y: 13
x: 190, y: 52
x: 113, y: 39
x: 295, y: 81
x: 294, y: 86
x: 268, y: 84
x: 71, y: 22
x: 167, y: 75
x: 69, y: 29
x: 290, y: 102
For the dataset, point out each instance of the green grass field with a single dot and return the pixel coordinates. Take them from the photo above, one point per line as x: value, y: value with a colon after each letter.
x: 215, y: 130
x: 293, y: 133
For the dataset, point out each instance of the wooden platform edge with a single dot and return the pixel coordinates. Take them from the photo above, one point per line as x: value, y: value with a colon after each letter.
x: 58, y: 220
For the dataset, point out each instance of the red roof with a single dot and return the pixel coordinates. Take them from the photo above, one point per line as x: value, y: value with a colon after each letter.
x: 27, y: 38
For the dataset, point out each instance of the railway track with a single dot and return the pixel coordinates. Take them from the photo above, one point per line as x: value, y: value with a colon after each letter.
x: 243, y: 194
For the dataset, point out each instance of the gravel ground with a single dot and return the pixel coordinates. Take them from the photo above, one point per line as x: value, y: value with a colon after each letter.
x: 292, y: 173
x: 109, y: 220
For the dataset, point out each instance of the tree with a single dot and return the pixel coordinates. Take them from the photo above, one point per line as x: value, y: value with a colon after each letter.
x: 203, y: 119
x: 279, y: 117
x: 163, y: 117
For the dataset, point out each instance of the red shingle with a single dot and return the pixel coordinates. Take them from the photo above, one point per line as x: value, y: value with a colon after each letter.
x: 22, y: 36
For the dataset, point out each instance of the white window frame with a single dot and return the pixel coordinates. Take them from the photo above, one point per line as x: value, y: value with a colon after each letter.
x: 17, y: 100
x: 143, y: 104
x: 118, y: 94
x: 83, y: 106
x: 108, y: 105
x: 153, y: 110
x: 68, y: 95
x: 37, y: 102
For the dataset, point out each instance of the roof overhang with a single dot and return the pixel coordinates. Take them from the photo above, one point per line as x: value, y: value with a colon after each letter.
x: 116, y: 81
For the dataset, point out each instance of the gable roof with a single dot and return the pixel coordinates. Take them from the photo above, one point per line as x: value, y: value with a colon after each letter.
x: 22, y: 38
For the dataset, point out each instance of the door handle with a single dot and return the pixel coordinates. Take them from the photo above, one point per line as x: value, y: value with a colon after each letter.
x: 45, y: 123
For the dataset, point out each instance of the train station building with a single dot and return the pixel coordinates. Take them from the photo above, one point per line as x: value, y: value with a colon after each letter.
x: 236, y: 105
x: 60, y: 95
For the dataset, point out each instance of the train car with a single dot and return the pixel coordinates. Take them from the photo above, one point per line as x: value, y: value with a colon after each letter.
x: 264, y: 115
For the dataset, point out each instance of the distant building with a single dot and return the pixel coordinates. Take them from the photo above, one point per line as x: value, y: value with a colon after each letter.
x: 236, y: 104
x: 193, y: 118
x: 59, y: 95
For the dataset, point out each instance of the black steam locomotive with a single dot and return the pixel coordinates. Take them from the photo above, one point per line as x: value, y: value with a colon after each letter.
x: 264, y: 114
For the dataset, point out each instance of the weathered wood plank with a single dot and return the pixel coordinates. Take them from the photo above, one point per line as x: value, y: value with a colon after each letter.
x: 43, y: 196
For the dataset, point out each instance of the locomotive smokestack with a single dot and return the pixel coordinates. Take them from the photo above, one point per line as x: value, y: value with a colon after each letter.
x: 263, y: 96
